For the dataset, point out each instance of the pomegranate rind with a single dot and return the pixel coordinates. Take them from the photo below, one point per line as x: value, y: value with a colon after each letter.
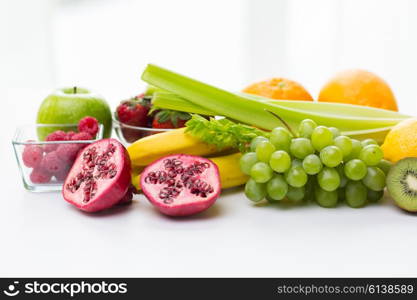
x: 115, y: 189
x: 190, y: 206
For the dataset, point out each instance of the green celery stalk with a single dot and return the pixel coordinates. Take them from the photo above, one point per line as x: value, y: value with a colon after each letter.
x: 171, y: 101
x: 211, y: 98
x: 254, y: 111
x: 341, y: 109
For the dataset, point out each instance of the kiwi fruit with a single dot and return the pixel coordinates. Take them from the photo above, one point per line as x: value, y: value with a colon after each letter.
x: 402, y: 183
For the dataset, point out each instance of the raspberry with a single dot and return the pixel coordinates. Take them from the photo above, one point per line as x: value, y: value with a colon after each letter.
x: 89, y: 125
x: 81, y: 136
x: 39, y: 175
x: 52, y: 164
x: 32, y: 155
x: 58, y: 135
x: 67, y: 152
x: 61, y: 176
x: 70, y: 134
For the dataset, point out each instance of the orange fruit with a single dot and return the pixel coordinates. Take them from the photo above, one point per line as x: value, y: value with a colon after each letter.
x: 359, y: 87
x: 401, y: 141
x: 279, y: 88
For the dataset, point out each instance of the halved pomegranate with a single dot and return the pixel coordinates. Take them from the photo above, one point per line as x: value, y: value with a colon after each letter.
x: 181, y: 185
x: 99, y: 177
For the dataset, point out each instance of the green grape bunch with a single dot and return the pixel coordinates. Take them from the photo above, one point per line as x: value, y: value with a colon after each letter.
x: 318, y: 164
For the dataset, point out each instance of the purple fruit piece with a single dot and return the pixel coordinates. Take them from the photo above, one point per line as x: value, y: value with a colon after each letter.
x: 181, y: 185
x: 99, y: 177
x: 128, y: 197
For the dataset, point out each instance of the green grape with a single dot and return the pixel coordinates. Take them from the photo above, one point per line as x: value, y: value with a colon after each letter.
x: 356, y: 149
x: 355, y: 169
x: 335, y: 131
x: 374, y: 179
x: 306, y: 127
x: 312, y: 164
x: 331, y: 156
x: 296, y: 176
x: 385, y: 166
x: 371, y: 155
x: 301, y: 147
x: 356, y: 194
x: 255, y: 191
x: 328, y: 179
x: 281, y: 138
x: 343, y: 179
x: 261, y: 172
x: 277, y: 187
x: 296, y: 163
x: 247, y: 161
x: 254, y: 143
x: 344, y: 143
x: 309, y: 188
x: 321, y: 137
x: 325, y: 198
x: 280, y: 161
x: 368, y: 142
x: 270, y: 200
x: 264, y: 149
x: 341, y: 194
x: 295, y: 194
x: 375, y: 196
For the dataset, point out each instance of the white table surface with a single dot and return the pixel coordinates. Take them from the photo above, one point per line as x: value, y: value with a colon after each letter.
x: 42, y: 235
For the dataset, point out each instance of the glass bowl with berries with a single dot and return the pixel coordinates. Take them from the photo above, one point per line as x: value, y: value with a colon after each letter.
x: 136, y: 118
x: 44, y: 164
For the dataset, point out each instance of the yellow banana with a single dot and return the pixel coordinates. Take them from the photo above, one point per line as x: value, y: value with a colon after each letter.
x: 229, y: 169
x: 146, y: 150
x: 137, y: 169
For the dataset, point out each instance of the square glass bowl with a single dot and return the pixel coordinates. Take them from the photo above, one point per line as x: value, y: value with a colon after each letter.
x: 129, y: 134
x: 30, y: 151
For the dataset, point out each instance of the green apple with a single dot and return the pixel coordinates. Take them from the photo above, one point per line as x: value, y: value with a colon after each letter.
x: 69, y: 105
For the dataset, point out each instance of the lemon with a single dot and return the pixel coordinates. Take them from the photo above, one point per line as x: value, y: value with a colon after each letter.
x: 401, y: 141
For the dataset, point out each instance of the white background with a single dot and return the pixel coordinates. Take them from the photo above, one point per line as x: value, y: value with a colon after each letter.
x: 104, y: 45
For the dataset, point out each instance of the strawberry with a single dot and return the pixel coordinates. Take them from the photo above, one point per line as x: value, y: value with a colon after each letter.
x: 134, y: 111
x: 170, y: 119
